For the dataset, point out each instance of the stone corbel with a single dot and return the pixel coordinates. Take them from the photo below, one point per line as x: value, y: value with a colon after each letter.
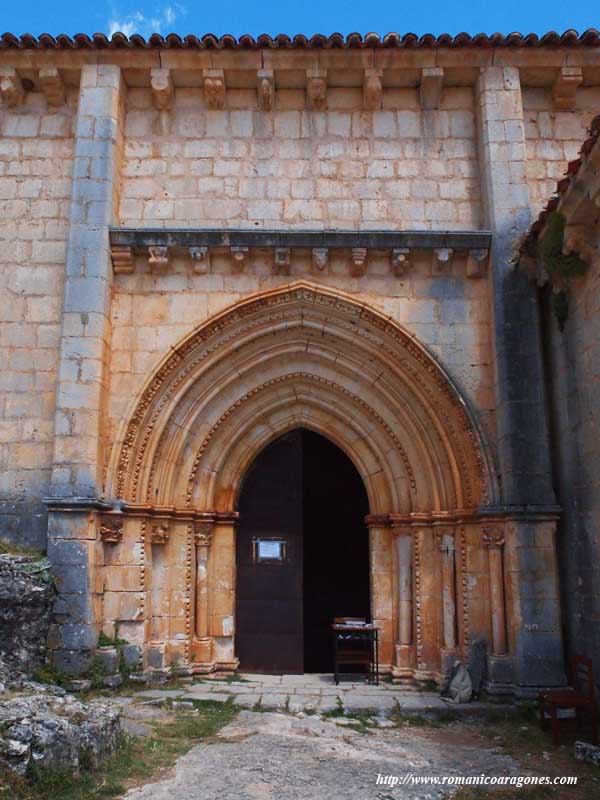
x: 372, y: 89
x: 265, y: 89
x: 111, y: 528
x: 316, y: 89
x: 441, y: 260
x: 160, y: 533
x: 52, y: 86
x: 564, y: 91
x: 162, y: 88
x: 320, y: 257
x: 239, y: 255
x: 214, y: 88
x: 11, y: 87
x: 476, y: 263
x: 158, y: 256
x: 432, y: 85
x: 122, y: 260
x: 359, y: 261
x: 201, y: 258
x: 281, y: 260
x: 400, y: 259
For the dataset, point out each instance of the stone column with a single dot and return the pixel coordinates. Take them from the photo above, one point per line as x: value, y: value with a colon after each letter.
x: 201, y: 648
x: 82, y: 375
x: 404, y: 665
x: 495, y: 542
x: 523, y: 439
x: 445, y: 543
x: 383, y: 602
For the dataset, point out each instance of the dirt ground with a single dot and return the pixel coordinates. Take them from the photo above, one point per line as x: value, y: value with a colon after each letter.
x: 279, y: 756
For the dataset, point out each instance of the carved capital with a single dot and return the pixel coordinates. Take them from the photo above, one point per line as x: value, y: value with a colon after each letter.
x: 214, y: 88
x: 11, y: 87
x: 320, y: 257
x: 265, y: 89
x: 159, y: 533
x: 372, y: 89
x: 111, y: 528
x: 52, y: 86
x: 316, y: 89
x: 564, y: 92
x: 158, y: 256
x: 201, y: 258
x: 162, y: 88
x: 444, y: 540
x: 122, y: 260
x: 493, y: 537
x: 203, y: 533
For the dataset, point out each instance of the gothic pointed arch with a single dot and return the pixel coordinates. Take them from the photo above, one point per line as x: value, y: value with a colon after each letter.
x: 301, y: 355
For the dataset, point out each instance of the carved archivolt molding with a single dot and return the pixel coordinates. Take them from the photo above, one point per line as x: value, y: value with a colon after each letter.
x: 282, y: 379
x: 363, y: 332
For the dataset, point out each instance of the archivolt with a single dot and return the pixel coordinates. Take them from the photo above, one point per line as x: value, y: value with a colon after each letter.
x: 307, y: 354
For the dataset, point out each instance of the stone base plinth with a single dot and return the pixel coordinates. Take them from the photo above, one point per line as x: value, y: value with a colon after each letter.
x: 201, y: 655
x: 403, y: 667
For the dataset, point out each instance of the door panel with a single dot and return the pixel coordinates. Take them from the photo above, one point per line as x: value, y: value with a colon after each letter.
x: 269, y: 635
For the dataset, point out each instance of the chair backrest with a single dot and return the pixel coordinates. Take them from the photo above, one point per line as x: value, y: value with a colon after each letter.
x: 583, y: 675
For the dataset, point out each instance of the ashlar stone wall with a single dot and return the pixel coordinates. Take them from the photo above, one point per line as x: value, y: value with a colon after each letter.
x: 36, y: 165
x: 553, y: 138
x: 402, y: 167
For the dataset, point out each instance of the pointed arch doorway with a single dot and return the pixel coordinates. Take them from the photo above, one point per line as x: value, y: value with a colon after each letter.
x: 302, y: 554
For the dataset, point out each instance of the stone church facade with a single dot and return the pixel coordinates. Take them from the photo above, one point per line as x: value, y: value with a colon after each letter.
x: 207, y: 244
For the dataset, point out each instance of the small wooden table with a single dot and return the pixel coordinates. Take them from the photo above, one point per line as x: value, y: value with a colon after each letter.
x: 356, y: 645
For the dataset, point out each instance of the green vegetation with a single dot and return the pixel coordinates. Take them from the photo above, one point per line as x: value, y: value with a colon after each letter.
x: 137, y: 760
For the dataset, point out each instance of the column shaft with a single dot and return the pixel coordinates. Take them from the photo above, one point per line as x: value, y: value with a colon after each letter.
x: 497, y: 601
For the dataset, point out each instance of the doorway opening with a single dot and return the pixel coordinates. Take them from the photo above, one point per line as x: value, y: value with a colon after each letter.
x: 302, y: 554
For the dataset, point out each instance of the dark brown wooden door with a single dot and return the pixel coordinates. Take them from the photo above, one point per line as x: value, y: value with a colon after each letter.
x: 269, y: 636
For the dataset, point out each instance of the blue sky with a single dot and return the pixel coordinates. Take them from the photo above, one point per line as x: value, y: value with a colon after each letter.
x: 296, y: 16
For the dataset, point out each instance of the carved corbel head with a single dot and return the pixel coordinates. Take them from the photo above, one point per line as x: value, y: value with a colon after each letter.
x: 214, y: 88
x: 320, y: 257
x: 400, y: 260
x: 265, y: 89
x: 158, y: 257
x: 201, y: 258
x: 359, y: 261
x: 372, y: 89
x: 316, y: 89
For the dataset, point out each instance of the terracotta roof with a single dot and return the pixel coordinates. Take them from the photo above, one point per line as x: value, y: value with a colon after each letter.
x: 99, y: 41
x: 573, y: 168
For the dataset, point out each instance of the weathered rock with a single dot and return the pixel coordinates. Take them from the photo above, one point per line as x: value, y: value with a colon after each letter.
x: 112, y: 681
x: 584, y: 751
x: 51, y: 732
x: 108, y: 659
x: 25, y: 606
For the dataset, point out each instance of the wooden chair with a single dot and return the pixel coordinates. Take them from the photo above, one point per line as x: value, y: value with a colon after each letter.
x: 580, y: 697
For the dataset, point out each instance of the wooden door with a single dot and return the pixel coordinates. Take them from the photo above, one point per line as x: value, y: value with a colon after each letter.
x: 269, y: 636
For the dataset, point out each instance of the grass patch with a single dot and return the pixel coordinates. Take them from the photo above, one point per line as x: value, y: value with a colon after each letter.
x: 337, y: 711
x: 137, y: 761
